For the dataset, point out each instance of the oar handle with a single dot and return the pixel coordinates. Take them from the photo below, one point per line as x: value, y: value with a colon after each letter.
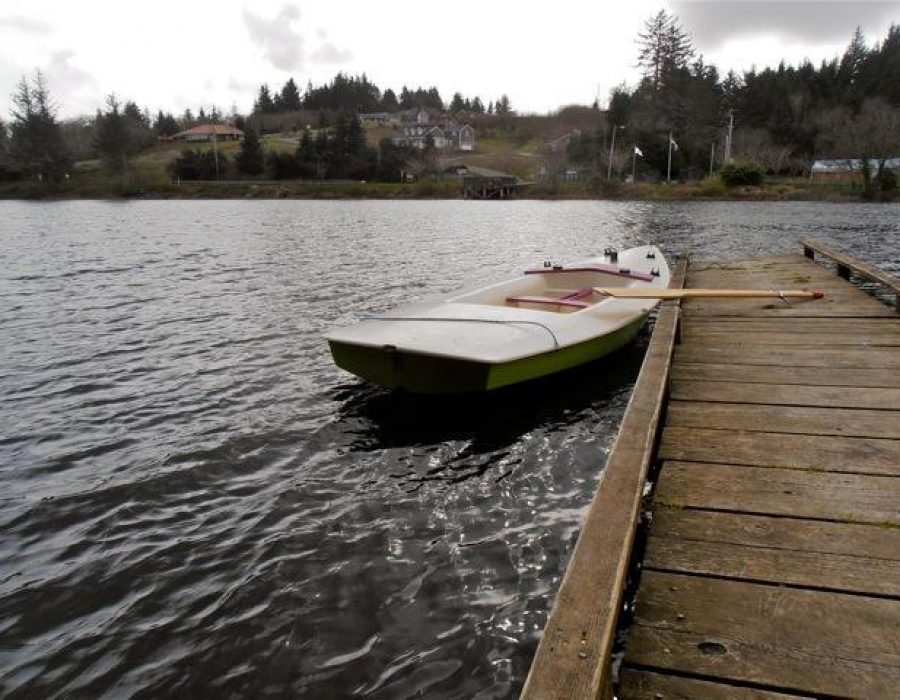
x: 652, y: 293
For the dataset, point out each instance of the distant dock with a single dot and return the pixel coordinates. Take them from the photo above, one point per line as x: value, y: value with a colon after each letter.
x: 752, y: 501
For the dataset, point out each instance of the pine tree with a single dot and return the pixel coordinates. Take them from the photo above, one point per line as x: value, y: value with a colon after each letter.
x: 250, y: 159
x: 389, y: 101
x: 664, y: 48
x: 36, y: 140
x: 457, y: 104
x: 290, y: 96
x: 264, y: 103
x: 165, y: 124
x: 112, y: 140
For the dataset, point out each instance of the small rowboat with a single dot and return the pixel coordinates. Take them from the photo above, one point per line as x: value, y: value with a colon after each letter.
x: 547, y: 320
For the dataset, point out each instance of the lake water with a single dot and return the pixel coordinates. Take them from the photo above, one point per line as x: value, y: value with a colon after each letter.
x: 194, y: 501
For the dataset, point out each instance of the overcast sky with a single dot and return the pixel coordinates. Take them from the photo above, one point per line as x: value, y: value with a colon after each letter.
x: 172, y: 55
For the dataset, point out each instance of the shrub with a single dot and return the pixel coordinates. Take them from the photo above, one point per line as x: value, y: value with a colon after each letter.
x: 742, y: 173
x: 197, y: 165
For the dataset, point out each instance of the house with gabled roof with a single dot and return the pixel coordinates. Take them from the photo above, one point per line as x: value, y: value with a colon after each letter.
x: 209, y: 132
x: 445, y: 133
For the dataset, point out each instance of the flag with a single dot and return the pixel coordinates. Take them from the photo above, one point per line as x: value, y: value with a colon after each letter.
x: 638, y: 152
x: 672, y: 143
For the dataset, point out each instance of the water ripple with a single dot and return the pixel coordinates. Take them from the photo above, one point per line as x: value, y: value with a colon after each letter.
x: 194, y: 501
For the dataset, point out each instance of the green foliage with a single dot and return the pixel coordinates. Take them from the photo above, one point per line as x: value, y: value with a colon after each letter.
x: 739, y: 173
x: 165, y: 124
x: 197, y: 165
x: 283, y: 166
x: 37, y: 147
x: 393, y: 160
x: 121, y: 134
x: 250, y: 159
x: 886, y: 180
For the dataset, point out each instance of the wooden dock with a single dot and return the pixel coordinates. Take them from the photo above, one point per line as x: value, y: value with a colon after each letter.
x: 770, y: 433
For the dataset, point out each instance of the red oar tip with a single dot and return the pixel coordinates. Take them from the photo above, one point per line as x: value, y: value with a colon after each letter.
x: 818, y: 294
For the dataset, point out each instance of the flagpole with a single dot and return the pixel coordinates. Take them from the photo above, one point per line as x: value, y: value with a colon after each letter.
x: 633, y: 161
x: 669, y: 171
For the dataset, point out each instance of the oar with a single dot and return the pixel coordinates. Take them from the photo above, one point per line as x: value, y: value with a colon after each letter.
x: 651, y: 293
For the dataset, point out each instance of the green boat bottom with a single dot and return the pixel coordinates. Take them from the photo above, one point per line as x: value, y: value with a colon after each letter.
x: 430, y: 374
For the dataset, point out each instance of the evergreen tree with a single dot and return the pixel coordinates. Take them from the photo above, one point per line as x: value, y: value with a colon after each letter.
x: 307, y: 157
x: 290, y: 96
x: 477, y: 105
x: 112, y: 140
x: 502, y: 107
x: 8, y: 169
x: 457, y: 104
x: 664, y: 48
x: 250, y: 159
x: 264, y: 103
x: 389, y: 101
x: 197, y: 165
x: 165, y: 124
x: 406, y: 99
x: 36, y: 143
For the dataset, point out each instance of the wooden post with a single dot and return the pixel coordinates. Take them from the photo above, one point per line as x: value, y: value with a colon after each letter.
x: 809, y: 252
x: 843, y: 271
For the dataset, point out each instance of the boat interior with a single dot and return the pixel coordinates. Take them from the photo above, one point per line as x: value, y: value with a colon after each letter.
x: 557, y: 289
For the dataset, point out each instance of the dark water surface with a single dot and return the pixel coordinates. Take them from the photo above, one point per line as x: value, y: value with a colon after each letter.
x: 194, y: 501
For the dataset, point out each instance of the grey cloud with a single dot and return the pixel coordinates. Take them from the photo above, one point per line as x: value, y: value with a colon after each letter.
x: 281, y: 44
x: 26, y: 24
x: 63, y: 73
x: 329, y: 53
x: 713, y: 23
x: 237, y: 85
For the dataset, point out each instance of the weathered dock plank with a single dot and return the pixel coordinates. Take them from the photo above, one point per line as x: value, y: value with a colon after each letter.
x: 860, y: 498
x: 737, y: 447
x: 801, y: 420
x: 648, y: 685
x: 823, y: 555
x: 786, y: 395
x: 774, y: 636
x: 860, y: 358
x: 811, y: 376
x: 786, y: 336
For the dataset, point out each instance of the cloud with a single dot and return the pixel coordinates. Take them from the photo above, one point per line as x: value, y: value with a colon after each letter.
x: 26, y: 24
x: 712, y: 24
x: 329, y: 53
x: 281, y: 44
x: 63, y: 73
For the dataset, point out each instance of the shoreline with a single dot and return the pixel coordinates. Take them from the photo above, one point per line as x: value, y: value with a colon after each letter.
x: 787, y: 190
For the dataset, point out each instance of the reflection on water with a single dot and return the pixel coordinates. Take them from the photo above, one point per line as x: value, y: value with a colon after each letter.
x: 194, y: 500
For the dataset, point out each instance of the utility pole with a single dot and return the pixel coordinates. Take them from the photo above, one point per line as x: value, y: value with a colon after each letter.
x: 669, y: 170
x: 728, y: 139
x: 712, y: 157
x: 215, y: 151
x: 612, y: 147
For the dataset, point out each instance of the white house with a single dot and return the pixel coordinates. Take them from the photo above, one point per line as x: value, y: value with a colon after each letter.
x: 844, y: 168
x: 446, y: 135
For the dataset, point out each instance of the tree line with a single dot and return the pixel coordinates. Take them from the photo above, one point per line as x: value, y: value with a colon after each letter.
x: 780, y: 118
x: 340, y: 152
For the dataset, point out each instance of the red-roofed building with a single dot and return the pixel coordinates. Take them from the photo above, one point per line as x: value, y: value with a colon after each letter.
x: 206, y: 132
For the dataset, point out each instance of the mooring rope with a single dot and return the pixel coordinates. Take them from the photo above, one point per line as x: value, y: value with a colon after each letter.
x: 465, y: 320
